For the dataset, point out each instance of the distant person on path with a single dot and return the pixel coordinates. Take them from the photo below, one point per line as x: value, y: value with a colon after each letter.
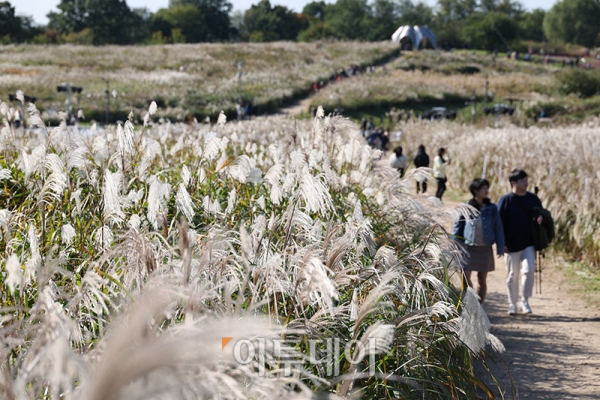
x: 479, y: 233
x: 399, y: 161
x: 518, y: 212
x: 439, y: 171
x: 371, y: 124
x: 363, y: 128
x: 421, y: 160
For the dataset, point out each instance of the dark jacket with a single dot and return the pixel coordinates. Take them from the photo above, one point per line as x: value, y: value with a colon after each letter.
x: 493, y: 232
x: 544, y: 233
x: 421, y: 159
x: 517, y: 213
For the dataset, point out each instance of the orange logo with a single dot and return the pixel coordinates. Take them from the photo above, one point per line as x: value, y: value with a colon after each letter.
x: 224, y: 342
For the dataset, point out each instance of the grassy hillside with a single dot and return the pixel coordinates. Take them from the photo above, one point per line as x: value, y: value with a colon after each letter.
x: 185, y: 80
x: 420, y: 80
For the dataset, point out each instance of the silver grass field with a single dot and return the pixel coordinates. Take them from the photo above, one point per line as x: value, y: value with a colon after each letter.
x: 136, y: 259
x: 182, y: 78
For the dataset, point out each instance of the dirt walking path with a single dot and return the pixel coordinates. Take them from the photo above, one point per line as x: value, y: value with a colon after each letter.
x: 299, y: 107
x: 554, y: 353
x: 302, y: 106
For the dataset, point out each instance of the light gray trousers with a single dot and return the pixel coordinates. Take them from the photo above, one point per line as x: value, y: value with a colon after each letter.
x: 520, y: 268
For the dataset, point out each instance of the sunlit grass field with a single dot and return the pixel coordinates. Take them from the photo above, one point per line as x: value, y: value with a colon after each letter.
x: 186, y: 80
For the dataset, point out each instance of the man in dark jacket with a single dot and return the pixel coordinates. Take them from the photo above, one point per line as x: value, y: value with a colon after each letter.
x: 517, y: 211
x: 421, y: 160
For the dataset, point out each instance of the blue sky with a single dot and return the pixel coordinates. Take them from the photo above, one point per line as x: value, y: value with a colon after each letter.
x: 39, y: 8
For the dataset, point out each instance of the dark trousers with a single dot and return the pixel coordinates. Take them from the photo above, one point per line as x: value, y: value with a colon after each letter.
x: 422, y: 185
x: 441, y: 182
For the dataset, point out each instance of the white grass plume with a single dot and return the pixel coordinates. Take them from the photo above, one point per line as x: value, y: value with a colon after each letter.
x: 213, y: 207
x: 103, y: 237
x: 158, y: 194
x: 239, y: 169
x: 184, y: 202
x: 14, y: 278
x: 315, y: 194
x: 31, y: 163
x: 56, y: 182
x: 5, y: 174
x: 212, y: 147
x: 222, y: 119
x: 67, y: 233
x: 186, y: 175
x: 474, y: 328
x: 315, y: 284
x: 125, y: 138
x: 112, y: 198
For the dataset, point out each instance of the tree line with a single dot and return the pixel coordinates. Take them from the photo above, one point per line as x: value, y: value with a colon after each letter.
x: 481, y: 24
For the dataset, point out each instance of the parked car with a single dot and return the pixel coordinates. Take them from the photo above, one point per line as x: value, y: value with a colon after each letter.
x: 439, y: 113
x: 499, y: 109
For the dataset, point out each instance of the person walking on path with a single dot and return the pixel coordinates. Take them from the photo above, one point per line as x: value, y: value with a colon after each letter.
x: 399, y: 161
x: 518, y: 212
x: 479, y: 233
x: 439, y: 171
x: 421, y: 160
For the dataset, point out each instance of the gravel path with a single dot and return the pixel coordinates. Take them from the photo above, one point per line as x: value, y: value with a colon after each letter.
x: 553, y: 353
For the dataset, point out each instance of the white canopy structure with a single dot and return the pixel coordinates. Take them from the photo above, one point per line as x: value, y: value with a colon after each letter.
x: 415, y: 34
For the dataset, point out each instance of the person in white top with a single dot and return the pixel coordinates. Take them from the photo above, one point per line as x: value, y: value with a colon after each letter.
x: 399, y: 160
x: 439, y: 171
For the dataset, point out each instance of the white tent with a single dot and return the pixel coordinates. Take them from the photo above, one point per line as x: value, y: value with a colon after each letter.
x: 415, y: 34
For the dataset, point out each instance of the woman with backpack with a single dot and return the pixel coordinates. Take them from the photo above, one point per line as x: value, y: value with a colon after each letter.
x: 479, y: 231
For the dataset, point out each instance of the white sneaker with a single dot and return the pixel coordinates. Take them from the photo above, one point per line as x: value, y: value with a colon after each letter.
x: 525, y: 306
x: 512, y: 309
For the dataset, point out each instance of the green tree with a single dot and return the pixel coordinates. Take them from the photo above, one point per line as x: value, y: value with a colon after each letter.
x: 414, y: 14
x: 183, y: 18
x: 317, y: 29
x: 508, y: 7
x: 453, y: 10
x: 110, y: 21
x: 384, y: 20
x: 238, y: 29
x: 13, y: 27
x: 315, y: 9
x: 214, y: 18
x: 9, y: 23
x: 350, y: 19
x: 71, y: 16
x: 265, y: 23
x: 531, y: 25
x: 142, y: 31
x: 449, y: 20
x: 489, y: 31
x: 574, y: 21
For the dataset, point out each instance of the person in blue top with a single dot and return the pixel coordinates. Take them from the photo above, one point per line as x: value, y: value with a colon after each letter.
x: 479, y: 232
x: 518, y: 211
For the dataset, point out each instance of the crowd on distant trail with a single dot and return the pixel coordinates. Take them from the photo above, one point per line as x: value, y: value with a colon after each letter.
x: 377, y: 136
x: 585, y: 60
x: 337, y: 76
